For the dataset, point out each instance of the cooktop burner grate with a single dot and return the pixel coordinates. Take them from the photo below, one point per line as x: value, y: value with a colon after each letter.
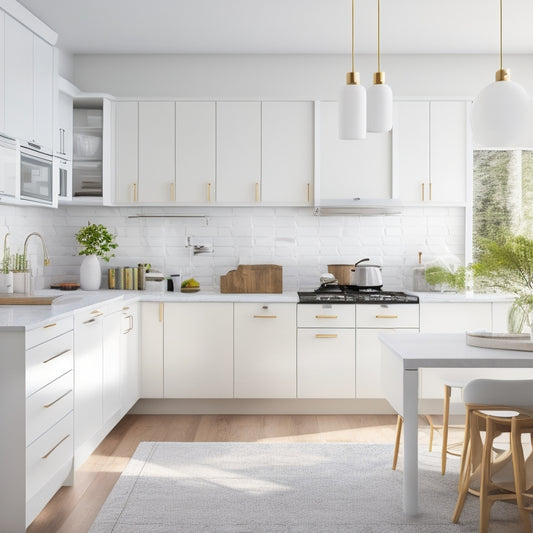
x: 351, y: 294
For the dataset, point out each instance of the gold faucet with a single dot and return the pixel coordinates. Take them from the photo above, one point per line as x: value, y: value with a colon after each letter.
x: 45, y: 252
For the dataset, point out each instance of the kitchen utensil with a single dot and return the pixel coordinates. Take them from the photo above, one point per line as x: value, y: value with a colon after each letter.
x: 366, y: 276
x: 328, y: 279
x: 253, y: 279
x: 65, y: 286
x: 341, y: 272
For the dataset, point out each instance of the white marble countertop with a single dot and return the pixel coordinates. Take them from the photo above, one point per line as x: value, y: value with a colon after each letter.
x: 67, y: 303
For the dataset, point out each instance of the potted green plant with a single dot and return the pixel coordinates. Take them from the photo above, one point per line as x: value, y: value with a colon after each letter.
x: 6, y: 274
x: 95, y: 241
x: 20, y: 268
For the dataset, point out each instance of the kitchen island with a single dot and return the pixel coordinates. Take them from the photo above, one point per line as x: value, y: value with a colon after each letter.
x: 402, y: 358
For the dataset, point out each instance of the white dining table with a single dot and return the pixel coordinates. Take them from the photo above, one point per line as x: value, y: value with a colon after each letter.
x: 402, y: 357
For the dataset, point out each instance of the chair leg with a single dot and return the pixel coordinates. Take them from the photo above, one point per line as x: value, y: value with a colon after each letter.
x: 484, y: 502
x: 399, y: 424
x: 464, y: 473
x: 431, y: 432
x: 466, y: 446
x: 445, y: 421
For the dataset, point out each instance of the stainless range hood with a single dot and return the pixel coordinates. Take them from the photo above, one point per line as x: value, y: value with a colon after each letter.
x: 358, y: 207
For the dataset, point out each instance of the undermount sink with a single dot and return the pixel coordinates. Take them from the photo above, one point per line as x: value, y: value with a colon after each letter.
x: 23, y: 299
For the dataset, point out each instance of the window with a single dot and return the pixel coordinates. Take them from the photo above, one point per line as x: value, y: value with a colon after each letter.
x: 502, y: 194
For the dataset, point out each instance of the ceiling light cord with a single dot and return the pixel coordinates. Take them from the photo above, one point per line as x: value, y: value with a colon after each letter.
x: 379, y: 35
x: 501, y: 34
x: 353, y: 35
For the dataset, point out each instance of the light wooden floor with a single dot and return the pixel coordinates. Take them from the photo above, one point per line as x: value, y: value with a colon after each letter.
x: 73, y: 509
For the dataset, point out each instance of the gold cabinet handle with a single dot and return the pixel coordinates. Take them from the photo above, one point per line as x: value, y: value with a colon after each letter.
x: 172, y: 192
x: 208, y: 191
x: 48, y: 405
x: 50, y: 325
x: 96, y: 312
x: 257, y: 191
x: 161, y: 310
x: 386, y: 316
x: 56, y: 356
x: 326, y: 335
x: 423, y: 191
x: 430, y: 190
x: 134, y: 189
x: 60, y: 442
x: 308, y: 193
x: 265, y: 316
x: 326, y: 316
x: 125, y: 308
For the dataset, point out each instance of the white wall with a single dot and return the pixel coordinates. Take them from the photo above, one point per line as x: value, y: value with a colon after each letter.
x: 292, y: 237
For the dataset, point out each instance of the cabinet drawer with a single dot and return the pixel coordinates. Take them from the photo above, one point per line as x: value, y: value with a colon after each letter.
x: 46, y: 455
x: 48, y: 361
x: 48, y: 331
x: 48, y: 405
x: 387, y: 316
x: 326, y: 316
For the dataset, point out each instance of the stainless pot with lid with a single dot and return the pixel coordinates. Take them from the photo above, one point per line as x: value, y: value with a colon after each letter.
x: 366, y: 276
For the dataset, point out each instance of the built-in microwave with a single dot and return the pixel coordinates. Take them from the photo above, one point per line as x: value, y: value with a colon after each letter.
x: 36, y: 176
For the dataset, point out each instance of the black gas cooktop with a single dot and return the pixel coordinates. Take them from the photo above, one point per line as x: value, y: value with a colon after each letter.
x: 350, y: 294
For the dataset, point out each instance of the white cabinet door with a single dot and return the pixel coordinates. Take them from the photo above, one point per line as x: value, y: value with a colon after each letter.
x: 265, y: 350
x: 129, y: 356
x: 111, y: 379
x: 65, y: 124
x: 195, y: 152
x: 43, y: 94
x: 157, y: 173
x: 448, y: 134
x: 288, y: 152
x: 326, y: 363
x: 18, y: 94
x: 431, y: 150
x: 2, y: 71
x: 238, y: 152
x: 411, y: 134
x: 198, y: 344
x: 87, y: 379
x: 352, y: 169
x: 126, y: 151
x: 152, y: 350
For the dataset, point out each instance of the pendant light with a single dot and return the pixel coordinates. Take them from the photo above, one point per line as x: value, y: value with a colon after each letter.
x: 500, y: 111
x: 352, y: 104
x: 379, y: 96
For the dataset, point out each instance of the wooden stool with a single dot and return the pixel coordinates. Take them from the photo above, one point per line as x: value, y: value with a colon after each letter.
x: 445, y: 426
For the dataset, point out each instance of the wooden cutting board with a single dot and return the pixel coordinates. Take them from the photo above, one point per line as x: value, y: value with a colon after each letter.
x: 253, y: 279
x: 20, y: 299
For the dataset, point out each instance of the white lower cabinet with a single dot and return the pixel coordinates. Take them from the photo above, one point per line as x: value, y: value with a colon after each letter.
x: 152, y: 314
x: 198, y: 350
x: 265, y: 350
x: 111, y: 370
x: 129, y: 357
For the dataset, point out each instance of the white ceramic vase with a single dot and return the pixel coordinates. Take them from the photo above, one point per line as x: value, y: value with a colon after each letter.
x: 6, y: 283
x: 90, y: 273
x: 19, y: 282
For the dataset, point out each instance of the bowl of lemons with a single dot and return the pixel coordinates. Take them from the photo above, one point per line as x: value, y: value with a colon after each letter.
x: 190, y: 285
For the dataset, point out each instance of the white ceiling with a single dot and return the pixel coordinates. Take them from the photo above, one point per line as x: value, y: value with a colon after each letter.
x: 285, y: 26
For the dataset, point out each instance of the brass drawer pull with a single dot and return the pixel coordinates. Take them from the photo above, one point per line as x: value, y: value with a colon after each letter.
x: 265, y: 316
x: 161, y: 312
x: 50, y: 325
x: 96, y: 312
x: 58, y: 355
x: 257, y: 192
x: 386, y: 316
x: 326, y: 335
x: 90, y: 321
x: 55, y: 401
x: 60, y: 442
x: 125, y: 308
x: 326, y: 316
x: 208, y: 191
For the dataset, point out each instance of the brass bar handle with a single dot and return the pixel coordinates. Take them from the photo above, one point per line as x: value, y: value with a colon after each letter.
x: 48, y: 405
x: 308, y: 193
x: 386, y: 316
x: 423, y: 191
x: 326, y: 316
x: 161, y: 311
x: 265, y: 316
x: 172, y: 192
x: 96, y: 312
x: 90, y: 321
x: 430, y: 190
x: 208, y: 191
x: 59, y: 443
x: 125, y: 308
x: 326, y: 335
x: 56, y: 356
x: 257, y: 191
x: 134, y: 187
x: 50, y: 325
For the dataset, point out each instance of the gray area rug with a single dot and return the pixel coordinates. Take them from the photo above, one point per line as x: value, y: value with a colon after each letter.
x: 223, y: 487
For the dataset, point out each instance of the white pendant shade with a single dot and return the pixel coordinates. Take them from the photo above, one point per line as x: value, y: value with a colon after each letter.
x: 499, y: 115
x: 352, y: 112
x: 379, y: 108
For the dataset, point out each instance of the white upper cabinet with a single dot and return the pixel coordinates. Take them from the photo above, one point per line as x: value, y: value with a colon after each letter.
x: 18, y: 91
x: 195, y: 152
x: 352, y: 169
x: 157, y: 159
x: 2, y: 70
x: 126, y: 151
x: 64, y: 127
x: 288, y: 152
x: 431, y: 146
x: 28, y: 85
x: 238, y: 152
